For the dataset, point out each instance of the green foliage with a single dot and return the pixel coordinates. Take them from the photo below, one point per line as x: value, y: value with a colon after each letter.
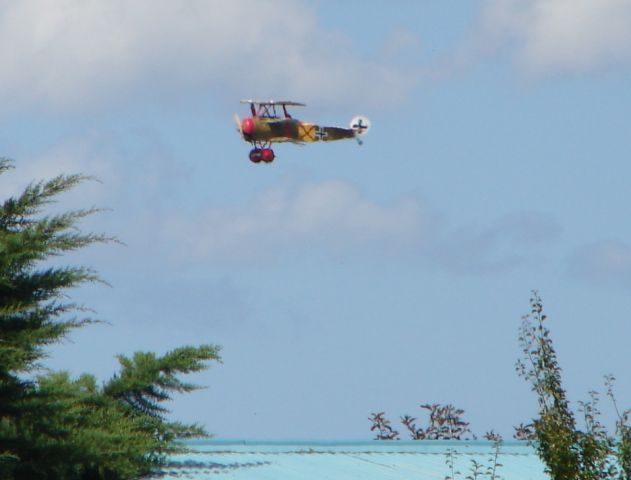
x: 623, y: 432
x: 477, y: 470
x: 147, y: 380
x: 568, y: 452
x: 53, y: 426
x: 381, y: 425
x: 445, y: 423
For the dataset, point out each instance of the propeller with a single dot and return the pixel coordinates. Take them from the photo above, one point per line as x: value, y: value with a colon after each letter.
x: 237, y: 121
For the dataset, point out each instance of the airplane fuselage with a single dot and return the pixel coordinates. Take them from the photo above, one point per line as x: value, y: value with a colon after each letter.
x: 278, y: 129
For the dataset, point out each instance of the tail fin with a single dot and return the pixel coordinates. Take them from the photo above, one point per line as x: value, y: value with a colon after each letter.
x: 360, y: 125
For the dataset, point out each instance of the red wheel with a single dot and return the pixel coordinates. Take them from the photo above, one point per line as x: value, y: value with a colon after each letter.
x: 255, y: 155
x: 267, y: 155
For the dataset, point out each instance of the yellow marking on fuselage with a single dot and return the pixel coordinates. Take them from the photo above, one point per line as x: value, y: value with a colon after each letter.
x: 307, y: 132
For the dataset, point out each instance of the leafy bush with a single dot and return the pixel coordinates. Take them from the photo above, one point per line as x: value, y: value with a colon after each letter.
x: 568, y: 452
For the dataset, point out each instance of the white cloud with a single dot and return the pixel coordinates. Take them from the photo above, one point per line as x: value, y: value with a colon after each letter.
x: 69, y: 54
x: 511, y: 241
x: 561, y: 35
x: 88, y: 155
x: 333, y: 218
x: 330, y: 216
x: 604, y: 262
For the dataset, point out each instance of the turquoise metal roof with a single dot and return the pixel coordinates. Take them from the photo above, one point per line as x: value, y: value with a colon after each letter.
x: 372, y: 460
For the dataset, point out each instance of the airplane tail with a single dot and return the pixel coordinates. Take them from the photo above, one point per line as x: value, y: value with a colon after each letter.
x: 360, y: 125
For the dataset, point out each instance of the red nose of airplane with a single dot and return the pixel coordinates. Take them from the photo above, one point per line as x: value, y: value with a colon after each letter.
x: 247, y: 127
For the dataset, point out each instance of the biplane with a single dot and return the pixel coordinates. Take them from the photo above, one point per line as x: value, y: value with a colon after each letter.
x: 271, y: 123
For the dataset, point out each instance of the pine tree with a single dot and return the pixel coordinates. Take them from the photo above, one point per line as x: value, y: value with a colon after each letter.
x: 53, y: 426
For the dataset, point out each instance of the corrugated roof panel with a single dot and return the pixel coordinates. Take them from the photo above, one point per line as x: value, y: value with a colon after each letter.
x: 381, y: 460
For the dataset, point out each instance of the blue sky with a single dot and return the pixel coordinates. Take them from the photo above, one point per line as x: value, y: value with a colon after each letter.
x: 339, y: 280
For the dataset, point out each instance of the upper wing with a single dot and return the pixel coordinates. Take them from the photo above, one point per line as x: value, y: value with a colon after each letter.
x: 274, y: 102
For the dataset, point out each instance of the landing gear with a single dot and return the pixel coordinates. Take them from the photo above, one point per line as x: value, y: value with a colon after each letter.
x: 255, y: 155
x: 262, y: 154
x: 267, y: 154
